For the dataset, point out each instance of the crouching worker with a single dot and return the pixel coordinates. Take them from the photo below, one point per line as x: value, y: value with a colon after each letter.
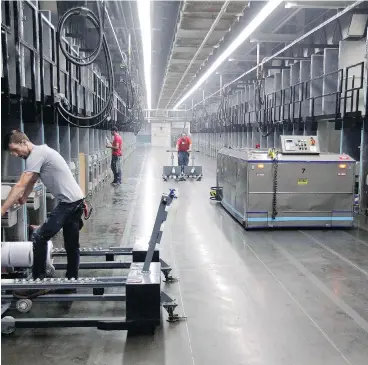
x: 42, y: 162
x: 183, y: 146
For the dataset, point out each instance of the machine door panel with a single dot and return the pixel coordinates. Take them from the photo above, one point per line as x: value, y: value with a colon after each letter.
x: 315, y: 177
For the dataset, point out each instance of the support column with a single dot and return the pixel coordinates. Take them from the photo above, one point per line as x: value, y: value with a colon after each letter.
x: 64, y: 138
x: 35, y: 132
x: 363, y: 181
x: 269, y: 88
x: 52, y: 136
x: 305, y: 67
x: 277, y: 86
x: 316, y: 86
x: 84, y: 134
x: 328, y: 136
x: 296, y: 96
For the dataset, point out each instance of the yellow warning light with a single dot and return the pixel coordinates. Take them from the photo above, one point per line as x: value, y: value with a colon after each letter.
x: 260, y: 165
x: 342, y: 166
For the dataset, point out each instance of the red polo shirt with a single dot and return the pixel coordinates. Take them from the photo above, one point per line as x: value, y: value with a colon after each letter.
x: 117, y: 141
x: 184, y: 143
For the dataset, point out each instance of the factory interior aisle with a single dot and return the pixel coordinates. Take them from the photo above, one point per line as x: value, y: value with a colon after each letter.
x: 252, y: 298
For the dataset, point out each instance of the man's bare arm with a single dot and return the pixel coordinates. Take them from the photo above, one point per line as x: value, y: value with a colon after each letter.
x: 29, y: 189
x: 26, y: 182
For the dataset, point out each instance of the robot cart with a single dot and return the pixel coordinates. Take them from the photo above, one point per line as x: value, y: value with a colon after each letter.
x: 174, y: 172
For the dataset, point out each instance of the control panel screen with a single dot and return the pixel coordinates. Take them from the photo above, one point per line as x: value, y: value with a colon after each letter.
x: 290, y: 145
x: 301, y: 145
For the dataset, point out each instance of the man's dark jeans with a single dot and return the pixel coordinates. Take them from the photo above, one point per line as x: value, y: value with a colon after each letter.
x: 66, y: 216
x: 183, y: 159
x: 116, y: 168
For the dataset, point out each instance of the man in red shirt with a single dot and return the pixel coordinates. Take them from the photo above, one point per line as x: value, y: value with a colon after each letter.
x: 116, y: 146
x: 183, y: 146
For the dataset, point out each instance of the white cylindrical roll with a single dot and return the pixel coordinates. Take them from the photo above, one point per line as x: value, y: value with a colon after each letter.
x: 20, y: 254
x: 16, y: 254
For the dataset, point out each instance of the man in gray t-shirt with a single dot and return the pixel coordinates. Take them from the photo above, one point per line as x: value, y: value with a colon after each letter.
x: 42, y: 162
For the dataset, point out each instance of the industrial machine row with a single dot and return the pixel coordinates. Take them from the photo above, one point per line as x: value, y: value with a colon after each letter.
x: 294, y: 186
x: 143, y: 281
x: 322, y: 94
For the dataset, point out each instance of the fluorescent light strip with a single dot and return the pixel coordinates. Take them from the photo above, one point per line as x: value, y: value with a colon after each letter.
x: 144, y: 13
x: 249, y: 29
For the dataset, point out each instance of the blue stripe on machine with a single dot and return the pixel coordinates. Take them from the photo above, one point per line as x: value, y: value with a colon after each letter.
x: 297, y: 219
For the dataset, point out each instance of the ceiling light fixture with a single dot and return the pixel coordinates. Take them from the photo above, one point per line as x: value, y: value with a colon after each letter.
x: 144, y: 13
x: 317, y: 5
x: 248, y: 30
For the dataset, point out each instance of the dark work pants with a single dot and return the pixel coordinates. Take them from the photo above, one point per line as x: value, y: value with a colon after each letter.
x: 66, y: 216
x: 116, y: 168
x: 183, y: 159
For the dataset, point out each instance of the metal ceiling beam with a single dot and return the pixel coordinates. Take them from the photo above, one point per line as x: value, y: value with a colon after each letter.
x: 287, y: 18
x: 210, y: 31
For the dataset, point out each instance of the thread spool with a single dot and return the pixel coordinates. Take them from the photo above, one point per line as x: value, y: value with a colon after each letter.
x: 20, y: 255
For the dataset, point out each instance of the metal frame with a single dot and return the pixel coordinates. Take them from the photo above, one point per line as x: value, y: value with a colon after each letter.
x: 141, y: 280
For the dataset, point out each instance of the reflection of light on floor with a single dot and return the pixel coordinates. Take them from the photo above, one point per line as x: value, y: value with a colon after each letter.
x: 202, y: 244
x: 243, y: 342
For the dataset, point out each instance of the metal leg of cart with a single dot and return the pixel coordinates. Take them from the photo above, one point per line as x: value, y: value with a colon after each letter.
x: 173, y: 172
x: 193, y: 172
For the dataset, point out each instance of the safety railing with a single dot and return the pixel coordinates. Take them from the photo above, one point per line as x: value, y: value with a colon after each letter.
x: 330, y: 96
x: 336, y: 94
x: 286, y: 107
x: 353, y: 85
x: 297, y: 99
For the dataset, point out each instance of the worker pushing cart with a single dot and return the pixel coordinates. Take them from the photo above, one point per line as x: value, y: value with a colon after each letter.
x: 183, y: 146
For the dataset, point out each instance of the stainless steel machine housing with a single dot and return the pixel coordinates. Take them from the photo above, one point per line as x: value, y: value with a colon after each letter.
x: 312, y: 190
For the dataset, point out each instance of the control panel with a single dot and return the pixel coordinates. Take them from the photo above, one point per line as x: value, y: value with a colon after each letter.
x: 299, y: 145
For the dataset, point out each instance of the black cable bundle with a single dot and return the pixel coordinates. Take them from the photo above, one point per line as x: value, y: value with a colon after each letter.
x: 63, y: 104
x: 223, y: 112
x: 259, y: 101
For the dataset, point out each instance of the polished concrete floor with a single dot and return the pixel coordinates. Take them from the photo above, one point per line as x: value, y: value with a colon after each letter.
x: 251, y: 298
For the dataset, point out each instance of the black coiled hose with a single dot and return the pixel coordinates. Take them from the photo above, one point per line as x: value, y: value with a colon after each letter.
x: 81, y: 11
x: 104, y: 113
x: 258, y: 98
x: 223, y: 113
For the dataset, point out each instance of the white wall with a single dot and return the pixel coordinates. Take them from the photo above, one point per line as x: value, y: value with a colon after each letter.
x: 161, y: 134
